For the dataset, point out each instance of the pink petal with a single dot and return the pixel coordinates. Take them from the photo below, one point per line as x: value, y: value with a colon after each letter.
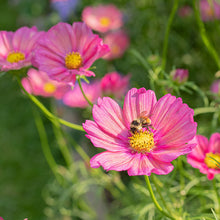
x: 103, y: 140
x: 173, y: 121
x: 194, y: 162
x: 137, y: 101
x: 214, y: 143
x: 108, y: 115
x: 6, y: 43
x: 170, y: 153
x: 117, y: 161
x: 145, y: 165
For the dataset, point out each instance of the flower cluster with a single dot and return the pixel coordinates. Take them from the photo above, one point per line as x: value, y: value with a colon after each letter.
x: 108, y: 19
x: 63, y: 52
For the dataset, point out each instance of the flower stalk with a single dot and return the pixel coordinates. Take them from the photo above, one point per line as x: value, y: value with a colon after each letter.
x: 155, y: 200
x: 49, y: 115
x: 84, y: 95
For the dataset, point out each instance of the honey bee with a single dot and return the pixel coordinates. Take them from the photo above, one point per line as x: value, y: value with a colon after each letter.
x: 143, y: 121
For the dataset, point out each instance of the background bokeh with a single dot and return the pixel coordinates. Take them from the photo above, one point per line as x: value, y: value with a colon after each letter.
x: 24, y: 172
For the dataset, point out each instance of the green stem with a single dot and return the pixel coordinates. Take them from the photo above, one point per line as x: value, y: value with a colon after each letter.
x: 45, y: 146
x: 217, y: 195
x: 84, y: 95
x: 61, y: 142
x: 203, y: 110
x: 78, y: 148
x: 159, y: 193
x: 204, y: 36
x: 166, y: 37
x: 154, y: 198
x: 49, y: 115
x: 145, y: 64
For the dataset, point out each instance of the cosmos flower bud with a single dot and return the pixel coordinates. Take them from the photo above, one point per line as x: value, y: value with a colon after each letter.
x: 215, y: 87
x: 180, y: 75
x: 114, y: 84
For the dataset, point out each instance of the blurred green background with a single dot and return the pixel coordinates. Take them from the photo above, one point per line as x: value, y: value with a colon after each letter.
x: 23, y: 168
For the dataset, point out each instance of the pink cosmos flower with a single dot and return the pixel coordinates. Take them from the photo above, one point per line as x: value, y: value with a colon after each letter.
x: 17, y: 48
x: 208, y: 11
x: 114, y: 84
x: 180, y: 75
x: 118, y: 42
x: 167, y: 131
x: 205, y: 155
x: 215, y: 87
x: 67, y: 51
x: 75, y: 98
x: 103, y: 18
x: 38, y: 83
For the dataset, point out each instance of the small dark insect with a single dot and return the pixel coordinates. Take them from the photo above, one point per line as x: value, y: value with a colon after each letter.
x: 143, y: 121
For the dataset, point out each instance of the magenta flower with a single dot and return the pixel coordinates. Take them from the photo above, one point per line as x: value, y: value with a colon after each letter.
x: 215, y: 87
x: 38, y: 83
x: 144, y: 136
x: 17, y: 48
x: 206, y: 155
x: 103, y: 18
x: 75, y: 98
x: 118, y: 42
x: 67, y: 51
x: 114, y: 84
x: 180, y: 75
x: 209, y: 11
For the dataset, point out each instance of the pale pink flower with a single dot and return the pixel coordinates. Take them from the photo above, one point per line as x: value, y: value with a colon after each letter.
x: 206, y: 154
x: 114, y: 84
x: 75, y: 98
x: 209, y: 11
x: 118, y: 42
x: 38, y: 83
x: 215, y: 87
x: 151, y: 148
x: 67, y: 51
x: 103, y: 18
x: 180, y: 75
x: 17, y: 48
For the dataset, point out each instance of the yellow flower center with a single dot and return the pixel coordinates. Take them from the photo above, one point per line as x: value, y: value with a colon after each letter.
x: 73, y: 60
x: 15, y: 57
x: 212, y: 160
x: 142, y: 141
x: 210, y: 12
x: 104, y: 21
x: 115, y: 49
x: 49, y: 87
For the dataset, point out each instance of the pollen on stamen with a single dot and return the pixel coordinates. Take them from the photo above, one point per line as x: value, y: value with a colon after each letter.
x: 15, y: 57
x: 105, y: 21
x: 212, y: 160
x: 49, y: 87
x: 142, y: 141
x: 73, y: 60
